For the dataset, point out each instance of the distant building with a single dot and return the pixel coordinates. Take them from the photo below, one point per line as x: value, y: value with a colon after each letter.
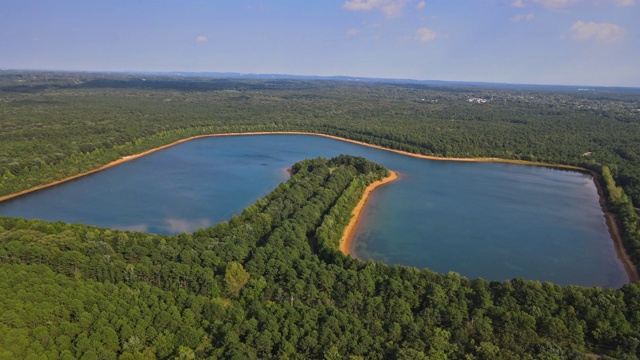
x: 477, y: 100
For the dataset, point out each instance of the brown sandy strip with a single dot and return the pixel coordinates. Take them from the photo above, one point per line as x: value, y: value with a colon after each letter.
x: 614, y: 231
x: 125, y: 159
x: 613, y: 227
x: 132, y: 157
x: 347, y: 236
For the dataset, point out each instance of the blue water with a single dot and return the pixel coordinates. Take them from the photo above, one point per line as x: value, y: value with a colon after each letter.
x: 495, y: 221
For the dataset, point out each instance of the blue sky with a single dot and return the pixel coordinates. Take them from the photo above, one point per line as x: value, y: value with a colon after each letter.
x: 573, y: 42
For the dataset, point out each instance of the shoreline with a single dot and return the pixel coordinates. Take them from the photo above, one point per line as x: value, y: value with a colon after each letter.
x: 614, y: 231
x: 346, y: 242
x: 401, y: 152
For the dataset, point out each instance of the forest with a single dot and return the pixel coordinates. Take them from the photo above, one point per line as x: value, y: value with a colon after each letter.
x: 270, y: 282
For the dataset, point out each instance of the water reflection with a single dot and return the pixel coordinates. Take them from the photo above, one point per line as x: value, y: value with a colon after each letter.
x: 495, y: 221
x: 137, y: 227
x: 177, y: 226
x: 170, y: 226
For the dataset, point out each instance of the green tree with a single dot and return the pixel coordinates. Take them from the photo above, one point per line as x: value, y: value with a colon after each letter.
x: 235, y: 278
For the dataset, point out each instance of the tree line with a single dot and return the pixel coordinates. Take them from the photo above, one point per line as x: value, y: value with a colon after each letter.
x: 58, y: 124
x: 270, y: 283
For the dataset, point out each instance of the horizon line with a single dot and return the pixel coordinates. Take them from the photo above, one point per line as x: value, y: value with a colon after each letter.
x: 233, y: 74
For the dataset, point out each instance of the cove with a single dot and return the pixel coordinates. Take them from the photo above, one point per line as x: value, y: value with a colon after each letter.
x: 491, y: 220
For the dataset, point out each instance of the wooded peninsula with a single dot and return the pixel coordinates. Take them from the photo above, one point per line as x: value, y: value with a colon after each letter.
x: 272, y: 282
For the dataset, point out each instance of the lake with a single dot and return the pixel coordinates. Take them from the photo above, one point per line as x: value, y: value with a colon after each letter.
x: 489, y: 220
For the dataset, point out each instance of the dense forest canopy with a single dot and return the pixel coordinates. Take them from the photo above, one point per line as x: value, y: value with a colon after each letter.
x: 53, y: 118
x: 270, y: 283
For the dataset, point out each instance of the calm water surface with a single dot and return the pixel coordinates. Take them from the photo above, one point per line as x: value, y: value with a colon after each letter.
x: 495, y: 221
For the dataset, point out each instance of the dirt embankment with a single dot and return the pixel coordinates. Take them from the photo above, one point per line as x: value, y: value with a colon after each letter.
x: 346, y: 243
x: 615, y: 233
x: 132, y: 157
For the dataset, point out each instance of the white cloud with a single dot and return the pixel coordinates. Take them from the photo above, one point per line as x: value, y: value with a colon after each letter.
x: 201, y: 38
x: 421, y: 5
x: 258, y: 7
x: 391, y: 8
x: 561, y: 4
x: 352, y: 32
x: 600, y: 32
x: 556, y: 4
x: 361, y: 5
x: 624, y: 3
x: 521, y: 18
x: 518, y: 4
x: 425, y: 35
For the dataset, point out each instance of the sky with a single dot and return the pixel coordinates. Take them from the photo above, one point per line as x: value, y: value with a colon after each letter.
x: 559, y: 42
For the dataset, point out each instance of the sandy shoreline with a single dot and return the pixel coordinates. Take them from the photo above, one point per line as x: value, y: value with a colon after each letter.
x: 611, y: 221
x: 614, y: 231
x: 124, y: 159
x: 428, y: 157
x: 347, y: 235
